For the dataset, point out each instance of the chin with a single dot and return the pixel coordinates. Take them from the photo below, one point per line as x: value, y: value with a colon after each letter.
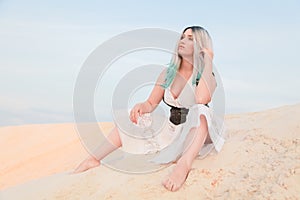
x: 181, y: 54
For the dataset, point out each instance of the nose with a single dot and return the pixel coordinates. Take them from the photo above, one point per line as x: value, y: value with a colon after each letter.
x: 182, y: 41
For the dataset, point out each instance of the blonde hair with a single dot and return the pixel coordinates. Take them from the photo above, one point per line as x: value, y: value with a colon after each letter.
x: 201, y: 40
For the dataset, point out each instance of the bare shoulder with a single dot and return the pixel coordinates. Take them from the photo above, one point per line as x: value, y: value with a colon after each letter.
x: 162, y: 76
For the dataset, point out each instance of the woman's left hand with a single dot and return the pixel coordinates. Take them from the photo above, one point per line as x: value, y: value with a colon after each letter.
x: 207, y: 52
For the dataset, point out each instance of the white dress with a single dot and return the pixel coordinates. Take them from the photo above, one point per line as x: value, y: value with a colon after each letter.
x: 168, y: 143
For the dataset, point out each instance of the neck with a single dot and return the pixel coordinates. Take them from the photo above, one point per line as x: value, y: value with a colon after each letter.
x: 186, y: 65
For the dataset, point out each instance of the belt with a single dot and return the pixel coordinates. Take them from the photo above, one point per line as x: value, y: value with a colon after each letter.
x: 178, y: 115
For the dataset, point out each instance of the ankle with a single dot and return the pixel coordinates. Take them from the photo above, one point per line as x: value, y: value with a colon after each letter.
x: 184, y: 162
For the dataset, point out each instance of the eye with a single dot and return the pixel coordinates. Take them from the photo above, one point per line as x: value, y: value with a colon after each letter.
x: 182, y: 36
x: 190, y: 38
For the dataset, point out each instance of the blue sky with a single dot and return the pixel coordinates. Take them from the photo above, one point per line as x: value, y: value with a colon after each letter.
x: 43, y: 45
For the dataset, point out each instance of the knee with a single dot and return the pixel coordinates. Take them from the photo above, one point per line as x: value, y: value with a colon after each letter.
x: 202, y: 118
x: 202, y: 128
x: 203, y: 121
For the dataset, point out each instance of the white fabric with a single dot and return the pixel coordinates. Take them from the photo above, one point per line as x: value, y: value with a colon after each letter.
x: 215, y: 126
x: 174, y: 151
x: 170, y: 139
x: 151, y: 140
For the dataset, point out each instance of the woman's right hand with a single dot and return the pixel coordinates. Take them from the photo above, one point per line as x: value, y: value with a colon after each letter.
x: 137, y: 111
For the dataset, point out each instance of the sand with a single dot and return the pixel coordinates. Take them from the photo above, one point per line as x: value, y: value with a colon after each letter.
x: 260, y: 160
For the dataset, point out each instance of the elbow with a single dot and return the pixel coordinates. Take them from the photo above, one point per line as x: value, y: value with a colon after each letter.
x: 204, y: 91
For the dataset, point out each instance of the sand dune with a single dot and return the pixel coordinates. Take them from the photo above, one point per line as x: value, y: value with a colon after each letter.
x: 260, y: 160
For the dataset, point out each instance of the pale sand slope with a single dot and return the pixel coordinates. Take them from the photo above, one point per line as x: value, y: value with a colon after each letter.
x: 260, y: 160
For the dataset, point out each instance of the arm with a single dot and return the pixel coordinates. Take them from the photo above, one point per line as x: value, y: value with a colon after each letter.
x: 153, y: 100
x: 207, y: 82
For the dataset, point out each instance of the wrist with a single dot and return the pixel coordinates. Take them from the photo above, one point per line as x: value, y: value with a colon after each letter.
x: 148, y: 106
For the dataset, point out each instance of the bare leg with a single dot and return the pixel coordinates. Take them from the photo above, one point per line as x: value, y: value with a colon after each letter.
x: 112, y: 143
x: 194, y: 142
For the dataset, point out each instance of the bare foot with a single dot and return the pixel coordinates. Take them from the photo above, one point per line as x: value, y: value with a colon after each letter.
x: 88, y: 163
x: 178, y: 176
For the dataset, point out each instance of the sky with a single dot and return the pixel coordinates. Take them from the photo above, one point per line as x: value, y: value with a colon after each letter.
x: 43, y: 45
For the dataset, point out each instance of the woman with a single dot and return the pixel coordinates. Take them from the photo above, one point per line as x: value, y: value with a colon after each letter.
x: 187, y: 87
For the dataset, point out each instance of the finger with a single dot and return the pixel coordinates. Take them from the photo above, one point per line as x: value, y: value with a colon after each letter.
x: 136, y: 116
x: 132, y: 115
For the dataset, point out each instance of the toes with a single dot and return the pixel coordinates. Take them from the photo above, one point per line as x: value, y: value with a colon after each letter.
x: 168, y: 183
x: 175, y: 187
x: 172, y: 187
x: 167, y: 186
x: 165, y: 181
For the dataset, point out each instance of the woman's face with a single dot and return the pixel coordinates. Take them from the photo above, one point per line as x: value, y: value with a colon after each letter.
x: 186, y: 44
